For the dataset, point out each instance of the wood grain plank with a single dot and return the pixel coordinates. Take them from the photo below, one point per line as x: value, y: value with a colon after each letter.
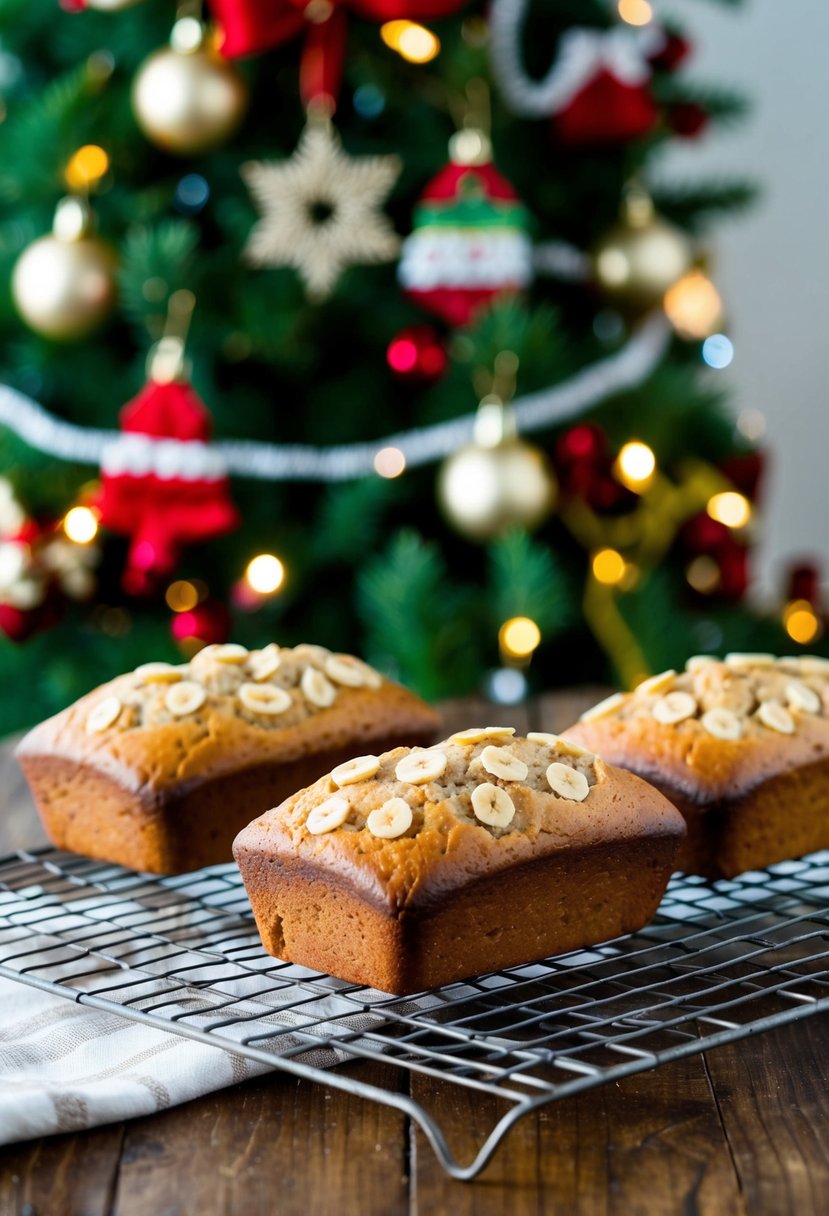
x: 61, y: 1175
x: 271, y: 1145
x: 771, y: 1092
x: 651, y: 1145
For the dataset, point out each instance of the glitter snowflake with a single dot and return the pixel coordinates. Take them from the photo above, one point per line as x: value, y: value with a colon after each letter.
x: 320, y: 210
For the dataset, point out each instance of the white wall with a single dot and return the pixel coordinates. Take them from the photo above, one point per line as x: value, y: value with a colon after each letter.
x: 772, y: 264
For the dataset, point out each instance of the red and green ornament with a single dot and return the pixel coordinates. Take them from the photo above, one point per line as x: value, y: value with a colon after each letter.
x: 469, y: 243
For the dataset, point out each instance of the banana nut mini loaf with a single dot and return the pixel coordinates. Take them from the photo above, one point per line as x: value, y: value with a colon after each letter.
x: 417, y: 867
x: 740, y: 746
x: 160, y: 768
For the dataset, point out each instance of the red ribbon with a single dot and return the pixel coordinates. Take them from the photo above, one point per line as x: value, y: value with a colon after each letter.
x: 252, y: 26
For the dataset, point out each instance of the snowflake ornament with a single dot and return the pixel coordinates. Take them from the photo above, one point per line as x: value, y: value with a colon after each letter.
x: 321, y: 210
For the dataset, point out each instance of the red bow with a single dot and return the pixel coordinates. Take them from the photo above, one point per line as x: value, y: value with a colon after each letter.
x: 251, y: 26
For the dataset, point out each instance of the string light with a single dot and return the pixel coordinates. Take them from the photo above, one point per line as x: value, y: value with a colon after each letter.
x: 519, y: 637
x: 729, y: 508
x: 703, y: 574
x: 801, y: 622
x: 412, y: 41
x: 86, y: 167
x: 635, y: 465
x: 81, y: 525
x: 609, y: 567
x: 389, y: 462
x: 635, y: 12
x: 265, y: 573
x: 693, y: 306
x: 182, y: 595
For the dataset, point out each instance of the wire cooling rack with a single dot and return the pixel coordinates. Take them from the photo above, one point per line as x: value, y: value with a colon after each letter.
x: 719, y: 962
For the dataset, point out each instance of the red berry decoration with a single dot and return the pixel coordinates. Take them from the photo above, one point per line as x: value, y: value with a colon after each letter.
x: 687, y: 119
x: 586, y: 442
x: 417, y: 354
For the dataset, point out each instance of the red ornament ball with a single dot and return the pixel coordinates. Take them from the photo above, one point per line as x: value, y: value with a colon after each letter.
x: 203, y: 625
x: 586, y: 443
x: 417, y: 354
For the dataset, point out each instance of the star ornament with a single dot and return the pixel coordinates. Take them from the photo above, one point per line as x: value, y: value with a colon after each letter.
x: 321, y: 210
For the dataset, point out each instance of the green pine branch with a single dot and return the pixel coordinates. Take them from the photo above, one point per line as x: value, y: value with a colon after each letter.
x: 527, y: 579
x: 694, y: 205
x: 156, y: 260
x: 418, y: 622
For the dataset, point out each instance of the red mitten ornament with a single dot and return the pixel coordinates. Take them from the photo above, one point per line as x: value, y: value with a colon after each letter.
x: 469, y: 242
x: 162, y: 484
x: 604, y: 87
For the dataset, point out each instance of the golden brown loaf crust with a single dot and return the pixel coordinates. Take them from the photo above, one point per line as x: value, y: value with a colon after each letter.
x: 161, y: 767
x: 449, y: 894
x: 741, y: 746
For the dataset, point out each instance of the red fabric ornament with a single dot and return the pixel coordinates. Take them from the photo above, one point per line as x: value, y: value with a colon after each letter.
x: 417, y: 354
x: 252, y: 26
x: 469, y: 243
x: 687, y: 119
x: 162, y: 484
x: 606, y: 111
x: 203, y: 625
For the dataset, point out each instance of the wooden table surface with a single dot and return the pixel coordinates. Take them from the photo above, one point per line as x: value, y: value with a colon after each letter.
x: 741, y: 1130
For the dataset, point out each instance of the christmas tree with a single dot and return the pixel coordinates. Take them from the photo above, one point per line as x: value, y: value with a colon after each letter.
x: 420, y: 363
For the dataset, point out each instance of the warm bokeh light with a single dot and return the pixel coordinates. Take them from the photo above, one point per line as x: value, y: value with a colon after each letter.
x: 519, y: 637
x: 182, y: 595
x: 265, y: 573
x: 86, y: 167
x: 693, y: 306
x: 703, y: 574
x: 389, y: 462
x: 635, y: 465
x: 635, y: 12
x: 801, y: 622
x: 81, y: 525
x: 414, y: 42
x: 609, y: 567
x: 729, y: 508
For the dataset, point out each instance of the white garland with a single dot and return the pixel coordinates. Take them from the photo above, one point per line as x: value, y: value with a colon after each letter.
x: 300, y: 462
x: 583, y: 52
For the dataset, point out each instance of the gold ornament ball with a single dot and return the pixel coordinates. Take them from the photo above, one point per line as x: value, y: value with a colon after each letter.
x: 483, y: 491
x: 634, y: 264
x: 188, y: 102
x: 64, y: 289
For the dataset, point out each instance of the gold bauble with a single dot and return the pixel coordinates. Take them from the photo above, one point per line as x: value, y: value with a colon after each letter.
x: 188, y: 101
x: 63, y: 284
x: 483, y: 490
x: 641, y: 257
